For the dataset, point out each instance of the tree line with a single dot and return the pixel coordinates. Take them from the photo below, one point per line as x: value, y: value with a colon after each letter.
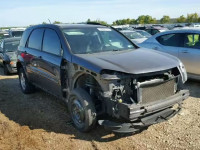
x: 146, y: 19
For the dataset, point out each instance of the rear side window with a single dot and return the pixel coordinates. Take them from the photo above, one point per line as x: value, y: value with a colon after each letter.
x: 170, y: 40
x: 25, y: 37
x: 192, y: 41
x: 51, y: 42
x: 35, y: 40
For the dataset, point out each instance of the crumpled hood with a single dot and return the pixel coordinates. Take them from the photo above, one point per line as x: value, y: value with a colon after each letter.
x: 134, y: 62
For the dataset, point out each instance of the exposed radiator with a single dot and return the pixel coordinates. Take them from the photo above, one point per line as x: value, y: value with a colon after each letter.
x: 157, y: 92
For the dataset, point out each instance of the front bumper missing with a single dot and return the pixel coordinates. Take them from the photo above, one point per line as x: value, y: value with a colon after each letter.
x: 140, y: 117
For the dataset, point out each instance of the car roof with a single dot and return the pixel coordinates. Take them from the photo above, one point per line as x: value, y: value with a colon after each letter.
x: 68, y: 26
x: 12, y: 39
x: 177, y: 31
x: 79, y: 25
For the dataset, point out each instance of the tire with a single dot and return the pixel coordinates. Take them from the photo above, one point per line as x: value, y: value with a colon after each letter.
x: 26, y: 86
x: 82, y: 110
x: 5, y: 70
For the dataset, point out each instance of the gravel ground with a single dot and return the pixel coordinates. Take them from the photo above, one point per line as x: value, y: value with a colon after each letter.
x: 40, y: 121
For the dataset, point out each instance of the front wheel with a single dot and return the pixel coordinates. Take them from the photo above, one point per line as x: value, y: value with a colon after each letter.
x: 26, y: 86
x: 82, y: 110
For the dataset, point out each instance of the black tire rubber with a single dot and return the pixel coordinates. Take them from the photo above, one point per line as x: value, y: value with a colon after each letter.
x: 29, y: 88
x: 89, y: 109
x: 5, y: 70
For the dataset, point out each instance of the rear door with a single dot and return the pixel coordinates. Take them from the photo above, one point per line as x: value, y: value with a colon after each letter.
x: 170, y: 43
x: 32, y: 54
x: 50, y: 62
x: 190, y: 53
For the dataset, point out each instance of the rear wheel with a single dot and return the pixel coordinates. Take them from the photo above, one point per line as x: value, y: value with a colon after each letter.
x: 26, y: 86
x: 82, y: 110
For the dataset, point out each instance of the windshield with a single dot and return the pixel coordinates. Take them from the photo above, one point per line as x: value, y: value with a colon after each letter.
x: 133, y: 35
x: 144, y: 33
x: 11, y: 46
x: 17, y: 33
x: 95, y: 40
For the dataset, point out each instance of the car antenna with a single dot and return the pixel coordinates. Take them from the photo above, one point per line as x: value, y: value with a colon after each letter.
x: 49, y: 21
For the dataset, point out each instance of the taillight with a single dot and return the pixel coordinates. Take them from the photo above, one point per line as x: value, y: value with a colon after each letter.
x: 23, y: 55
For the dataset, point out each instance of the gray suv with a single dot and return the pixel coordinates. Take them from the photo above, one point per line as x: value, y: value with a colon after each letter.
x: 8, y: 54
x: 101, y: 75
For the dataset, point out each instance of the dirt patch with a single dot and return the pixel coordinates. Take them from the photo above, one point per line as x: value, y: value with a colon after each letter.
x: 40, y: 121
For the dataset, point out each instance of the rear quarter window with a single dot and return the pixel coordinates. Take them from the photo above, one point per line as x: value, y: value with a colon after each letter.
x: 25, y: 37
x: 35, y: 39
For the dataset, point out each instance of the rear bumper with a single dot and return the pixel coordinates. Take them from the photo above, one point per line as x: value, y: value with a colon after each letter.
x: 12, y: 68
x: 141, y: 116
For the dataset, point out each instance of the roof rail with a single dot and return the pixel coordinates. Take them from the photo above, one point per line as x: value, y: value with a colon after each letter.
x: 94, y: 23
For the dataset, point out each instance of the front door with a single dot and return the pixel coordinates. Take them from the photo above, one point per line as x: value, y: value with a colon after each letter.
x: 50, y: 62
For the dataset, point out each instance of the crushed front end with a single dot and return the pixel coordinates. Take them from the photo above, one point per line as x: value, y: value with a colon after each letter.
x: 134, y: 102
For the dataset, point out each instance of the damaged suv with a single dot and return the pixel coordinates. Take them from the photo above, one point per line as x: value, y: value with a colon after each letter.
x: 101, y: 75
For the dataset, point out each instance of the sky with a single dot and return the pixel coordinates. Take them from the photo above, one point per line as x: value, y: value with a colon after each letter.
x: 24, y: 12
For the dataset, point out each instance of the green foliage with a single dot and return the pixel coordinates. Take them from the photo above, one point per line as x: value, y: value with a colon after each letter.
x: 146, y: 20
x: 124, y: 21
x: 57, y: 22
x: 98, y: 21
x: 192, y: 18
x: 141, y: 20
x: 181, y: 19
x: 165, y: 19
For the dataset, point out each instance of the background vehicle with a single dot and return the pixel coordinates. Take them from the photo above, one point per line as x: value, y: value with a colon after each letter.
x: 3, y: 35
x: 153, y: 29
x: 184, y: 44
x: 144, y: 33
x: 122, y: 27
x: 8, y: 56
x: 134, y: 36
x: 101, y: 75
x: 16, y: 32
